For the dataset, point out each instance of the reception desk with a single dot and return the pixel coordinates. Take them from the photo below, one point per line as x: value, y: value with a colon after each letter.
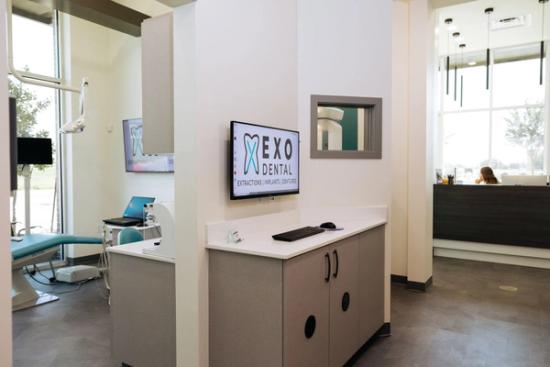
x: 493, y: 214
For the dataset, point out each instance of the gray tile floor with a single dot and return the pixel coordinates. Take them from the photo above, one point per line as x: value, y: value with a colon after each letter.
x: 463, y: 320
x: 74, y: 331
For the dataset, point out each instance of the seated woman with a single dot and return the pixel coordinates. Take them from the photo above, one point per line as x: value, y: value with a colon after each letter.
x: 487, y: 176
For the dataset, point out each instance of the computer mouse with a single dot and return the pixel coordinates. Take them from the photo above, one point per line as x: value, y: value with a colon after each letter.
x: 328, y: 225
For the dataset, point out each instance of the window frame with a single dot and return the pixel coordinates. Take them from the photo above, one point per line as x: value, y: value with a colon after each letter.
x: 491, y: 109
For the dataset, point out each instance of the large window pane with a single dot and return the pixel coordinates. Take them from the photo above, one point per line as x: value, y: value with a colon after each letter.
x: 518, y: 141
x: 33, y: 46
x: 465, y: 144
x: 37, y: 107
x: 516, y: 77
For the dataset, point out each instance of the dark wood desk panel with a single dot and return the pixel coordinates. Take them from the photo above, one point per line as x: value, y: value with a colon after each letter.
x: 507, y: 215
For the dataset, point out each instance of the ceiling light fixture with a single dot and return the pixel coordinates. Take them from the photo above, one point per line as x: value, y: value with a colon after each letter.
x: 488, y: 11
x: 462, y: 47
x: 541, y: 76
x: 456, y: 36
x: 448, y: 22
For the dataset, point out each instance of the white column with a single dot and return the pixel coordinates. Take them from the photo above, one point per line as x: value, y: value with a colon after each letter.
x: 420, y: 157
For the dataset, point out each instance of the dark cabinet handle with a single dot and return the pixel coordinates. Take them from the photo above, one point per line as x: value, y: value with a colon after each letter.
x: 335, y: 253
x: 327, y: 278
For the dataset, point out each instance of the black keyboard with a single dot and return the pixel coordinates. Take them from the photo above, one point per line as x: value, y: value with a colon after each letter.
x: 297, y: 234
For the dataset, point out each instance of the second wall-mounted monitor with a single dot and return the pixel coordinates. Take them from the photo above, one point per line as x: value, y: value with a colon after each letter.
x: 265, y: 161
x: 134, y: 156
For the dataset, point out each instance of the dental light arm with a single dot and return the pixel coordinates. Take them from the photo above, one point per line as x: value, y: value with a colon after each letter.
x: 44, y: 81
x: 78, y: 125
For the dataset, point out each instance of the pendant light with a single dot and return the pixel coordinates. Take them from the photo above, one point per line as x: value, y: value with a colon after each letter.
x: 462, y: 47
x: 455, y: 36
x: 448, y: 22
x: 543, y: 3
x: 488, y: 11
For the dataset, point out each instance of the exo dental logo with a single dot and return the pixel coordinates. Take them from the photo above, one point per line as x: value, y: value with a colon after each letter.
x: 251, y: 143
x: 273, y: 153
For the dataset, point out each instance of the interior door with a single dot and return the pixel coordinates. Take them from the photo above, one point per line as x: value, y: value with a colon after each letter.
x: 306, y: 309
x: 344, y: 301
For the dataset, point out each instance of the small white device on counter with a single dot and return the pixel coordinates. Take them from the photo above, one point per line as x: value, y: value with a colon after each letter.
x: 76, y: 274
x: 164, y: 214
x: 233, y: 236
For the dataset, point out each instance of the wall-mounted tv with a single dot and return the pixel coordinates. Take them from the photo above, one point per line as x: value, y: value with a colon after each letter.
x: 136, y: 160
x: 265, y: 161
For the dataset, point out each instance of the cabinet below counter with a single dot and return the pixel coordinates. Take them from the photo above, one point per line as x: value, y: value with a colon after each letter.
x: 317, y: 308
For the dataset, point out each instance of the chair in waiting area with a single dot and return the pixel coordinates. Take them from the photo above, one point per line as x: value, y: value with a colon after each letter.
x: 129, y: 235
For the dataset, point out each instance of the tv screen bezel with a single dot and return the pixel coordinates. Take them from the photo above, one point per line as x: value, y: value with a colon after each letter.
x: 232, y: 164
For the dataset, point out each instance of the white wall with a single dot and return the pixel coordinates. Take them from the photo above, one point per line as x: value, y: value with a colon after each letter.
x: 98, y: 186
x: 357, y: 63
x: 344, y: 49
x: 259, y: 61
x: 5, y: 254
x: 86, y: 47
x: 234, y: 61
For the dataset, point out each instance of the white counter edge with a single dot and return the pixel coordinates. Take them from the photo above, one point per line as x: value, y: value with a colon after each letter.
x: 228, y: 247
x: 135, y: 249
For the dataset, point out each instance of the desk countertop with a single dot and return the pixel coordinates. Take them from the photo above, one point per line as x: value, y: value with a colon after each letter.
x: 136, y: 249
x: 257, y: 232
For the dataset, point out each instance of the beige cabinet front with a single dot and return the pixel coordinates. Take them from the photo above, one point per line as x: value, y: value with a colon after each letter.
x: 306, y: 336
x: 371, y: 280
x: 344, y: 301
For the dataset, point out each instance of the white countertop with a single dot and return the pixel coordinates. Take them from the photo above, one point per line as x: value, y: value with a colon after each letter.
x: 136, y: 249
x: 257, y: 231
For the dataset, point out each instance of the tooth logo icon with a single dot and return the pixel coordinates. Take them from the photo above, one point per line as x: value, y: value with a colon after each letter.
x: 251, y: 144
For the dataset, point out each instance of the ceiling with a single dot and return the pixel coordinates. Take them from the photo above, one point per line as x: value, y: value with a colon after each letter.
x: 122, y: 15
x: 471, y: 21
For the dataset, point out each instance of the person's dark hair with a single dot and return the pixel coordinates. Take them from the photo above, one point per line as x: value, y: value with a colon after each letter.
x: 488, y: 175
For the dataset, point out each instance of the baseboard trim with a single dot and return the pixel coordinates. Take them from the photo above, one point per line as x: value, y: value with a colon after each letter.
x: 84, y: 260
x: 400, y: 279
x: 419, y: 286
x: 384, y: 331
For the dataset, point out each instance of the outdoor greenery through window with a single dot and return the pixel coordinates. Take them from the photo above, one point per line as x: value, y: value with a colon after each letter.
x: 37, y: 116
x: 503, y: 127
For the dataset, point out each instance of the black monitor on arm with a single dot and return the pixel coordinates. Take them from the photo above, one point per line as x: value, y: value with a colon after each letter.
x: 34, y: 151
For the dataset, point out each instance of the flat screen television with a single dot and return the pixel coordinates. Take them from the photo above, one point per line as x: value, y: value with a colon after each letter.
x: 265, y: 161
x: 136, y: 160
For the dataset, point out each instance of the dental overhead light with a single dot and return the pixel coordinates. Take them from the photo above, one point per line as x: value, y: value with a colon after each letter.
x: 76, y: 126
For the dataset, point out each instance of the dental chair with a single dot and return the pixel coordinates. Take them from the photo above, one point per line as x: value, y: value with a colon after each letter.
x: 35, y: 249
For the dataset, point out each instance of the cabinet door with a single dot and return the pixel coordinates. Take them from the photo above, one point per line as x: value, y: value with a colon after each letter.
x: 371, y: 283
x: 306, y: 310
x: 344, y: 301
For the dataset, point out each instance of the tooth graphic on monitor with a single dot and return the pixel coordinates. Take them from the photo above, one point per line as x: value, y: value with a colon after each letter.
x: 251, y: 144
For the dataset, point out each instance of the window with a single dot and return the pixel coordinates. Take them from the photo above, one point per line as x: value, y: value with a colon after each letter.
x: 35, y: 51
x: 503, y: 127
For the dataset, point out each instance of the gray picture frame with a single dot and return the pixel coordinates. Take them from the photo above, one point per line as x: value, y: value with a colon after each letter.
x: 373, y: 130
